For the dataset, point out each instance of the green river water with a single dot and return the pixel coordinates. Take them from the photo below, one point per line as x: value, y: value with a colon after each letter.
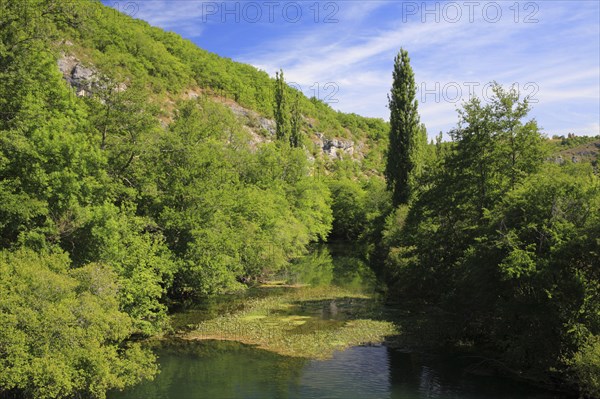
x: 224, y: 370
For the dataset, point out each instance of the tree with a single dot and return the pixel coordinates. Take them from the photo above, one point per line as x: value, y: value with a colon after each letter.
x: 348, y: 208
x: 540, y: 249
x: 62, y: 334
x: 282, y: 123
x: 124, y: 120
x: 520, y: 145
x: 406, y: 134
x: 501, y: 250
x: 494, y: 149
x: 296, y: 120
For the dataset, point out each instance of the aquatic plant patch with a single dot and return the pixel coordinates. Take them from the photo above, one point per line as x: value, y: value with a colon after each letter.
x: 311, y: 322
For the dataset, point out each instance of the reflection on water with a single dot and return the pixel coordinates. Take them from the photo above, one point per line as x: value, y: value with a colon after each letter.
x: 215, y: 370
x: 229, y: 370
x: 322, y: 266
x: 360, y: 372
x: 416, y: 376
x: 327, y: 265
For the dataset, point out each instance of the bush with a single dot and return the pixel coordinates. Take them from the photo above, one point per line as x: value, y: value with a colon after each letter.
x: 61, y: 332
x: 585, y: 368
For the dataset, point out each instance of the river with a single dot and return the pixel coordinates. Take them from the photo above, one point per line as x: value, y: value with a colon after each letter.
x: 230, y: 370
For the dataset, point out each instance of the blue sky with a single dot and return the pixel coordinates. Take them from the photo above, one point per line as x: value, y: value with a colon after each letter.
x: 343, y: 51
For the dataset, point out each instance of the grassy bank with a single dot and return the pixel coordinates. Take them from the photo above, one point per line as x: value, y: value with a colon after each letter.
x: 310, y: 322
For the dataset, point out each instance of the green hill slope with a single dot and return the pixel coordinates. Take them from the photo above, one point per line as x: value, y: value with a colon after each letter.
x: 137, y: 170
x: 576, y: 149
x: 128, y: 50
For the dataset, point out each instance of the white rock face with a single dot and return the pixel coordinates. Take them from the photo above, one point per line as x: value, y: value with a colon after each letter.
x: 82, y: 74
x: 262, y: 122
x: 335, y: 147
x: 81, y: 78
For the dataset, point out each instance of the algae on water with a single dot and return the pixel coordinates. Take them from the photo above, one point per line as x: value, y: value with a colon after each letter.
x: 310, y: 322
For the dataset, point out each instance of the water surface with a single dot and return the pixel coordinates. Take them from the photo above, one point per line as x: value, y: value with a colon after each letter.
x: 215, y: 370
x: 229, y: 370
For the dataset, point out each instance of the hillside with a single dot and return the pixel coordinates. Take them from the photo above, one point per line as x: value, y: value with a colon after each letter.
x: 119, y: 117
x: 576, y: 149
x: 140, y: 174
x: 101, y: 43
x: 138, y: 171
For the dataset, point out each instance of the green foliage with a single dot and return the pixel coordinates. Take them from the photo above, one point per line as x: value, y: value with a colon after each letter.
x: 572, y: 141
x: 61, y: 332
x: 585, y: 366
x: 541, y: 236
x: 116, y: 204
x: 228, y: 213
x: 494, y: 150
x: 47, y: 162
x: 281, y: 108
x: 348, y: 209
x: 407, y: 136
x: 358, y: 208
x: 142, y: 262
x: 503, y: 248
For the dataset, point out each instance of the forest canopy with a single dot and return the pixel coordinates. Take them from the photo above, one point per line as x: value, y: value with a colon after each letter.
x: 123, y: 195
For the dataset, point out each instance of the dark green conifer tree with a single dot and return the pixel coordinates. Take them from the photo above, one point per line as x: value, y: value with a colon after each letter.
x: 282, y: 123
x: 296, y: 120
x: 404, y: 161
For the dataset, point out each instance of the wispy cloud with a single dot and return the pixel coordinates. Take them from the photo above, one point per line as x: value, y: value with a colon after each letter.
x: 559, y: 54
x: 453, y: 53
x: 185, y: 17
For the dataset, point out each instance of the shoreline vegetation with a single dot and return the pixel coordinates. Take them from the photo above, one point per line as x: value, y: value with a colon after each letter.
x: 127, y: 185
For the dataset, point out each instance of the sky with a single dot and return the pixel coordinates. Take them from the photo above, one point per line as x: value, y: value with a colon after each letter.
x: 343, y: 51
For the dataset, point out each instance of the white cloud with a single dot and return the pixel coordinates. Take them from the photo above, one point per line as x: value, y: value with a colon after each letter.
x: 560, y: 54
x: 186, y: 17
x: 443, y: 52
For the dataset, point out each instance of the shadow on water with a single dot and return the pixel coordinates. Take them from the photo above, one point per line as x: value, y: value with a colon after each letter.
x: 318, y: 269
x: 230, y: 370
x: 217, y: 369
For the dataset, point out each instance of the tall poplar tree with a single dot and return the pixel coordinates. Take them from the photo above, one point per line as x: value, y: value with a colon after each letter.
x: 282, y: 123
x: 296, y: 120
x: 407, y: 135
